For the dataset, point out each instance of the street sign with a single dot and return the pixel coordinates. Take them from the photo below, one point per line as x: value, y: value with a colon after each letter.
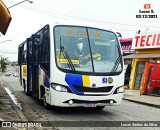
x: 144, y: 41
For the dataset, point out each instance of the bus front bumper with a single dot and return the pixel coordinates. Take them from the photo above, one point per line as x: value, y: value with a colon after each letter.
x: 64, y: 99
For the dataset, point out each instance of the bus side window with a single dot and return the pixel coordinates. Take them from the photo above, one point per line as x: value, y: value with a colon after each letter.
x: 45, y: 54
x: 24, y: 58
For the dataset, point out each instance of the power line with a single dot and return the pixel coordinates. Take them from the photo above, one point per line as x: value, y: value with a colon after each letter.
x: 59, y: 16
x: 124, y: 29
x: 51, y: 14
x: 36, y: 10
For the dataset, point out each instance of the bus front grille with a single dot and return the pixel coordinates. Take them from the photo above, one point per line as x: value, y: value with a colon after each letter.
x: 97, y: 89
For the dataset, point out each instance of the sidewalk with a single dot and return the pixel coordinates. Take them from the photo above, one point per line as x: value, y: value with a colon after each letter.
x: 134, y: 96
x: 8, y: 111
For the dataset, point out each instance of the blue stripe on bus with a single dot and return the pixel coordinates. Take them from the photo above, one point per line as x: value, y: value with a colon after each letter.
x: 74, y: 79
x: 46, y: 81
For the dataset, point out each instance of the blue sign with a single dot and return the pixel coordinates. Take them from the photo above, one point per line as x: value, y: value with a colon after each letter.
x: 104, y: 80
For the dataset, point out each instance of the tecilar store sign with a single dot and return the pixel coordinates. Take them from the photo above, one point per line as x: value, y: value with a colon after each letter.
x: 144, y: 41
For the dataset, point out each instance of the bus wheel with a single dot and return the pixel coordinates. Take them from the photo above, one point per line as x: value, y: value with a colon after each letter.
x: 24, y: 87
x: 46, y: 105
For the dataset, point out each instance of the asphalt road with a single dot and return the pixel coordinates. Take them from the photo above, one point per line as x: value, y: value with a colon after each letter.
x: 127, y: 111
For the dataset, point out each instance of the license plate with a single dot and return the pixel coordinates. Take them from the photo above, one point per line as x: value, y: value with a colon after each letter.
x: 90, y: 105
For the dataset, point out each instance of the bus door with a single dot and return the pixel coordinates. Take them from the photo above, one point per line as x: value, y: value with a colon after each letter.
x: 35, y: 66
x: 20, y: 63
x: 29, y: 66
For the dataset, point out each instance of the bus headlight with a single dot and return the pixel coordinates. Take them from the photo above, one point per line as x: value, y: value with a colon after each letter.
x: 120, y: 90
x: 59, y: 88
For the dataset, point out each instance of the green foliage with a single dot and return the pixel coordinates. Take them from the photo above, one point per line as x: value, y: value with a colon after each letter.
x: 3, y: 64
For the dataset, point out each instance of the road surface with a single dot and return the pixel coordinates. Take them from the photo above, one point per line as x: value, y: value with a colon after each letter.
x: 127, y: 111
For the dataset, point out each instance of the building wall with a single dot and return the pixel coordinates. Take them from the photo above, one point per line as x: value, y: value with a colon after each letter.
x: 135, y: 62
x: 148, y: 51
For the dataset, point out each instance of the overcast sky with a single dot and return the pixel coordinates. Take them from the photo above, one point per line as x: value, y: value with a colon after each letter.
x: 119, y: 15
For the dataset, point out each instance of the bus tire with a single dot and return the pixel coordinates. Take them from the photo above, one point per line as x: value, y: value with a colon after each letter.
x: 24, y: 86
x: 42, y: 91
x: 25, y: 89
x: 46, y: 105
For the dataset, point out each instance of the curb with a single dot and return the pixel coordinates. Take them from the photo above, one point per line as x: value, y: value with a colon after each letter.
x: 144, y: 103
x: 19, y: 112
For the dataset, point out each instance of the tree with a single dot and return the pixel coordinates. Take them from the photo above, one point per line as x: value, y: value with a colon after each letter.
x: 3, y: 64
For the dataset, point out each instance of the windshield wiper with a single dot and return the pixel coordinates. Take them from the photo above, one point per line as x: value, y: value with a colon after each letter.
x: 66, y: 56
x: 116, y: 64
x: 60, y: 48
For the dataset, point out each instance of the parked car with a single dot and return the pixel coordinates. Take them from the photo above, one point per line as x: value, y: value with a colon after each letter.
x: 8, y: 73
x: 15, y: 74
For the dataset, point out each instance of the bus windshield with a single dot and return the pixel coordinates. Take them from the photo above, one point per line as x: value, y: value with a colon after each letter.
x: 85, y: 49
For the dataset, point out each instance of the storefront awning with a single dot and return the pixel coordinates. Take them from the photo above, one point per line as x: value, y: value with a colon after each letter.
x: 134, y: 56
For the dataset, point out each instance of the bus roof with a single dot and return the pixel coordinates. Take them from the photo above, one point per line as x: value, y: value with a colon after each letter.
x: 86, y: 23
